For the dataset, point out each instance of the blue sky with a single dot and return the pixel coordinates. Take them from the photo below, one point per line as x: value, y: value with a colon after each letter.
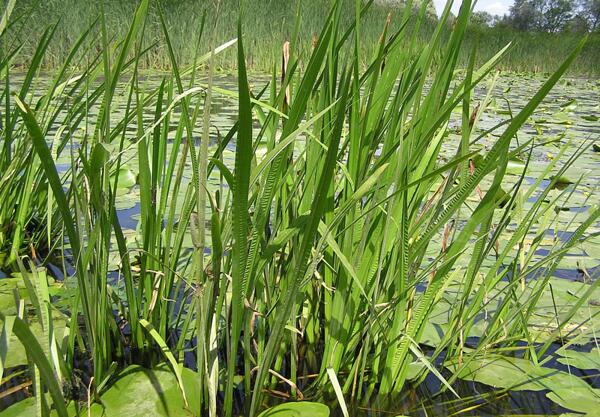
x: 495, y: 7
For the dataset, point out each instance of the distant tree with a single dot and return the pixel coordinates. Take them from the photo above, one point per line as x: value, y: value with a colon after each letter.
x: 503, y: 22
x: 543, y: 15
x: 577, y: 24
x: 482, y: 18
x: 523, y: 15
x: 555, y: 14
x: 590, y: 11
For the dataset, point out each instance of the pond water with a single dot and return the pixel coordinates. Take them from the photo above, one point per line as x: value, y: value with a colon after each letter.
x: 568, y: 117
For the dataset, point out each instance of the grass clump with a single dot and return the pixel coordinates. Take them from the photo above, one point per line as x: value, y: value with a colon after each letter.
x: 318, y: 261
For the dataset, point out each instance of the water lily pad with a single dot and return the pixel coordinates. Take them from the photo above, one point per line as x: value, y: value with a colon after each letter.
x: 23, y: 408
x: 7, y: 298
x: 561, y: 182
x: 515, y: 374
x: 502, y: 198
x: 433, y: 334
x: 17, y: 355
x: 27, y: 408
x: 590, y: 117
x: 592, y: 247
x: 581, y: 360
x: 584, y: 400
x: 126, y: 178
x: 298, y: 409
x: 414, y: 370
x: 569, y: 105
x: 562, y: 118
x: 515, y: 167
x: 141, y: 392
x: 138, y: 392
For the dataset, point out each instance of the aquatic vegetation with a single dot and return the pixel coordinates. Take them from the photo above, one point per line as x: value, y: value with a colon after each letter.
x: 300, y: 409
x: 28, y: 222
x: 532, y: 52
x: 355, y: 230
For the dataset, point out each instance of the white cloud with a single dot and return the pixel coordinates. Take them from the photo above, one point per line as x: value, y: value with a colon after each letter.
x: 498, y: 7
x: 495, y: 7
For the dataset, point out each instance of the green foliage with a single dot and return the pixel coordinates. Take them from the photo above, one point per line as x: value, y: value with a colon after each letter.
x: 337, y: 242
x: 580, y: 360
x: 136, y: 392
x: 518, y: 374
x: 301, y: 409
x: 536, y: 51
x: 544, y: 15
x: 577, y: 400
x: 265, y: 32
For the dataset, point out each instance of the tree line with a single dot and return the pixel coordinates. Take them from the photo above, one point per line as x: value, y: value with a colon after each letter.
x: 546, y: 16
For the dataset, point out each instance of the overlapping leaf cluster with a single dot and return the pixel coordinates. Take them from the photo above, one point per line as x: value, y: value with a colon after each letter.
x: 322, y: 254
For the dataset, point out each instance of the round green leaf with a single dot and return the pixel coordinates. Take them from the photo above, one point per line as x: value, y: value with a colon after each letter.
x: 299, y: 409
x: 126, y: 178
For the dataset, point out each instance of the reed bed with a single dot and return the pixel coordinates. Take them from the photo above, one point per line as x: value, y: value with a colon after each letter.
x: 265, y: 31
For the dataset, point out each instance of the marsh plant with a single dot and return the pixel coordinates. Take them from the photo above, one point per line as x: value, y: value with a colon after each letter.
x: 319, y: 261
x: 534, y: 50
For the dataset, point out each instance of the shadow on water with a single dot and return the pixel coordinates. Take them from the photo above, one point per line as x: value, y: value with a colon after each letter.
x: 16, y: 386
x: 476, y: 399
x: 429, y: 398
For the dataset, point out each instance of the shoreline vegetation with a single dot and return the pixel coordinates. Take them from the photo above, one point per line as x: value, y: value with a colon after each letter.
x: 269, y: 23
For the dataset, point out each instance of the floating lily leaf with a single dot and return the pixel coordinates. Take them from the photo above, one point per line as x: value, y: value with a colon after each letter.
x: 577, y: 263
x: 515, y: 374
x: 126, y: 178
x: 515, y: 167
x: 562, y: 118
x: 584, y: 400
x: 141, y: 392
x: 7, y: 298
x: 433, y: 334
x: 415, y: 369
x: 591, y: 246
x: 23, y: 408
x: 298, y: 409
x: 561, y: 182
x: 581, y: 360
x: 570, y: 105
x: 27, y: 408
x: 127, y: 200
x: 17, y: 354
x: 502, y: 198
x: 590, y: 118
